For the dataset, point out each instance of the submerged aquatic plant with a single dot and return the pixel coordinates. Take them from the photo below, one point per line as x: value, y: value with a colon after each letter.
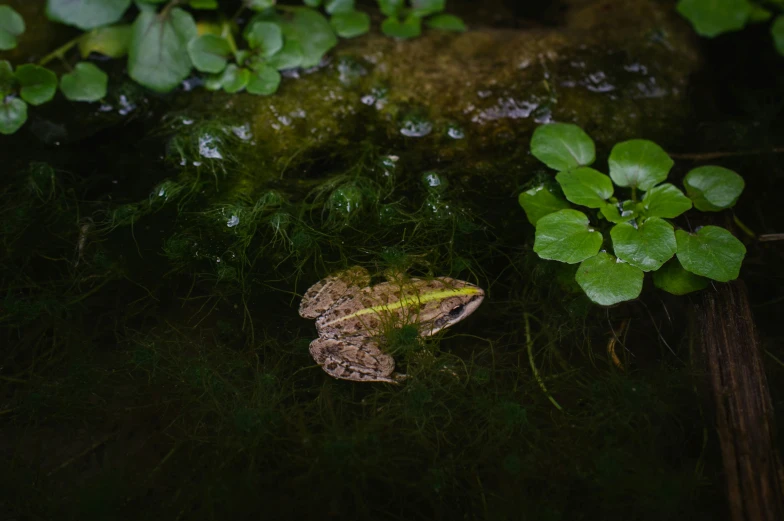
x: 643, y: 238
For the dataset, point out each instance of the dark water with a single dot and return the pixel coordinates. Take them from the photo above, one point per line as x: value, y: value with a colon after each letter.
x: 154, y: 364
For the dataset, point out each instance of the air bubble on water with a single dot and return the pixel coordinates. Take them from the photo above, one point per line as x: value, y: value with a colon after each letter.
x: 233, y: 221
x: 208, y: 147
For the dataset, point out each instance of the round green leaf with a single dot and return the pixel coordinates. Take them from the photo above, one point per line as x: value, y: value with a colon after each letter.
x: 204, y: 4
x: 777, y: 32
x: 566, y: 236
x: 261, y: 5
x: 390, y: 7
x: 39, y: 84
x: 712, y: 252
x: 11, y: 25
x: 339, y: 6
x: 646, y: 247
x: 266, y: 36
x: 607, y: 280
x: 539, y: 201
x: 209, y: 53
x: 158, y: 55
x: 86, y: 14
x: 713, y: 17
x: 13, y: 114
x: 562, y: 146
x: 264, y: 81
x: 289, y: 57
x: 424, y: 8
x: 713, y: 188
x: 665, y: 201
x: 313, y: 33
x: 109, y: 41
x: 350, y: 24
x: 234, y: 78
x: 672, y: 278
x: 639, y: 163
x: 585, y: 186
x: 446, y: 22
x: 85, y: 83
x: 411, y: 27
x: 7, y: 81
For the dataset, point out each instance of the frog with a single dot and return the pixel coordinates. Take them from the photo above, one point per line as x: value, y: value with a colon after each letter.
x: 352, y: 314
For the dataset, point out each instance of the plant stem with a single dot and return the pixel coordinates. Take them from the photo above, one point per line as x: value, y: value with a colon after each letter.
x: 743, y: 227
x: 60, y: 51
x: 634, y: 194
x: 530, y: 345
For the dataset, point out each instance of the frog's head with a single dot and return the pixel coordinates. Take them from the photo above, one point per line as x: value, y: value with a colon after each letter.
x: 449, y: 302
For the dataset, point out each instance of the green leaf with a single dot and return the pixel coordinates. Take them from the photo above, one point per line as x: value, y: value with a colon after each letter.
x: 234, y: 78
x: 350, y: 24
x: 266, y: 36
x: 539, y: 201
x: 390, y: 7
x: 713, y: 188
x: 312, y: 3
x: 411, y: 27
x: 585, y: 186
x: 713, y: 17
x: 85, y: 83
x: 562, y: 146
x: 647, y: 246
x: 261, y: 5
x: 446, y: 22
x: 759, y: 14
x: 264, y: 81
x: 110, y: 41
x: 608, y: 281
x: 39, y: 84
x: 289, y: 57
x: 11, y: 25
x: 424, y: 8
x: 566, y: 236
x: 313, y: 33
x: 13, y: 114
x: 203, y: 4
x: 86, y: 14
x: 158, y: 55
x: 639, y: 163
x: 339, y: 6
x: 665, y: 201
x: 672, y: 278
x: 209, y: 53
x: 777, y: 32
x: 712, y: 252
x: 7, y: 80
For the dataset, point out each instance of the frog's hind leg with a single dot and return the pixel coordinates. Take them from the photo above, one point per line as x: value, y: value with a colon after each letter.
x: 323, y: 293
x: 354, y: 359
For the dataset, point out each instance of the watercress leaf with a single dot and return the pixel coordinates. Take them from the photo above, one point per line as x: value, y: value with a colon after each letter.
x: 234, y: 78
x: 777, y: 32
x: 612, y: 212
x: 13, y: 114
x: 261, y: 5
x: 647, y: 246
x: 110, y: 41
x: 759, y: 14
x: 312, y: 3
x: 390, y: 7
x: 38, y: 84
x: 313, y: 33
x: 158, y: 55
x: 713, y: 17
x: 607, y: 281
x: 639, y: 163
x: 85, y: 82
x: 339, y: 6
x: 7, y: 80
x: 209, y: 53
x: 350, y: 24
x: 665, y: 201
x: 266, y: 36
x: 424, y: 8
x: 713, y: 188
x: 562, y: 146
x: 712, y: 252
x: 411, y: 27
x: 264, y: 81
x: 672, y: 278
x: 203, y: 4
x: 566, y: 236
x: 446, y: 22
x: 11, y: 25
x: 539, y: 201
x: 289, y: 57
x: 86, y: 14
x: 585, y: 186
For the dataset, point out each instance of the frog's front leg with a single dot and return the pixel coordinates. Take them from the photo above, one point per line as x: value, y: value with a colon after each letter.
x: 354, y: 359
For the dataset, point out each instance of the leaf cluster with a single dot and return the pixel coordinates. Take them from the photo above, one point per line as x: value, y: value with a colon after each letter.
x: 642, y: 235
x: 406, y: 22
x: 710, y: 18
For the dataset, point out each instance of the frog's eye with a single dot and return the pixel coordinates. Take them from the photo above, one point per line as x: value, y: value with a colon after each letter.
x: 456, y: 311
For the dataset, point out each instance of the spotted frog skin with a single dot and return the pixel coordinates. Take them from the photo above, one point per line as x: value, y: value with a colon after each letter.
x: 351, y: 316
